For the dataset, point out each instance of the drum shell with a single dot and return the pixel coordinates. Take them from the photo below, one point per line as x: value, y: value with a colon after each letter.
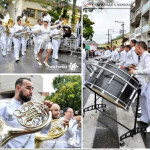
x: 111, y: 87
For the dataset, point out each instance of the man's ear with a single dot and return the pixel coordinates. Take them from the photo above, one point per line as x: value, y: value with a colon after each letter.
x: 17, y: 87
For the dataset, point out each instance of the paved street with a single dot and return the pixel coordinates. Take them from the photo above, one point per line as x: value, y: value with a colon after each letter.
x: 101, y: 132
x: 28, y: 64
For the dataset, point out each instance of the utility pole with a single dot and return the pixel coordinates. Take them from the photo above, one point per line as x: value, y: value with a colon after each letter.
x: 109, y: 34
x: 122, y: 24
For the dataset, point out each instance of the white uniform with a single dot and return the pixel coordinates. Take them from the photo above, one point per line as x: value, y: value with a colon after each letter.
x: 123, y: 58
x: 36, y: 37
x: 132, y: 58
x: 56, y: 41
x: 107, y: 54
x: 114, y: 56
x: 142, y: 72
x: 17, y: 41
x: 44, y: 41
x: 24, y: 41
x: 6, y: 112
x: 10, y: 39
x: 61, y: 142
x: 75, y: 141
x: 4, y: 41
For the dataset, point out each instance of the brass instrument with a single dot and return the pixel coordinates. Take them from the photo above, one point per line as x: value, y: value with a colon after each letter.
x: 57, y: 130
x: 7, y: 29
x: 32, y: 116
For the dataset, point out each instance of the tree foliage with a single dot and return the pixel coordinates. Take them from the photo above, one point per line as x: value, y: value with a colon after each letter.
x: 68, y: 91
x: 88, y: 31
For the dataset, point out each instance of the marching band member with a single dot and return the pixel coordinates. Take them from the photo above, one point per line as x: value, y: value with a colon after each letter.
x: 114, y: 55
x: 55, y: 109
x: 56, y: 40
x: 134, y: 60
x: 23, y: 94
x: 17, y: 29
x: 4, y: 38
x: 107, y: 53
x: 142, y: 72
x: 122, y: 55
x: 25, y: 37
x: 128, y: 56
x: 10, y: 37
x: 36, y: 37
x: 44, y: 42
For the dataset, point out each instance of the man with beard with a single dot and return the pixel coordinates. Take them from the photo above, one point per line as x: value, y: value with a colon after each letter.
x: 23, y: 94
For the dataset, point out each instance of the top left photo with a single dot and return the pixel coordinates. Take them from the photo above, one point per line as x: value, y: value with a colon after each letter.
x: 40, y: 36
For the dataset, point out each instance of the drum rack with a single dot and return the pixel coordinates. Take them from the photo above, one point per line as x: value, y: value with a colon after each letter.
x: 130, y: 132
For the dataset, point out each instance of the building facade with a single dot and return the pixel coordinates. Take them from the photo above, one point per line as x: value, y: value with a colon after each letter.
x: 140, y: 21
x: 7, y: 86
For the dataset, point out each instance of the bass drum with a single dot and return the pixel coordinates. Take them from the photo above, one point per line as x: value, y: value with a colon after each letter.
x: 113, y: 84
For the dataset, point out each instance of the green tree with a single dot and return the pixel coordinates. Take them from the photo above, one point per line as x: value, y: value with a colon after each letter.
x: 68, y: 91
x: 87, y: 28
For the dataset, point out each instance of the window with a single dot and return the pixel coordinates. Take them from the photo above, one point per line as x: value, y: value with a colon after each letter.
x: 39, y: 14
x: 31, y: 12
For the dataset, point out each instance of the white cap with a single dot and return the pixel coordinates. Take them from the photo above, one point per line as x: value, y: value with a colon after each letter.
x: 45, y: 19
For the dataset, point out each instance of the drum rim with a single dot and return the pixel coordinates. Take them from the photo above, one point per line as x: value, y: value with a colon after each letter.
x: 120, y: 69
x: 108, y: 98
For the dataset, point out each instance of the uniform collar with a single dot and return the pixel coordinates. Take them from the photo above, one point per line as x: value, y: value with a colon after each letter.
x: 144, y: 54
x: 17, y: 102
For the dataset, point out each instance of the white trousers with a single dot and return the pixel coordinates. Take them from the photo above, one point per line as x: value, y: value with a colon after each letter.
x: 4, y: 44
x: 145, y: 104
x: 56, y: 45
x: 10, y: 40
x: 35, y: 45
x: 17, y: 45
x: 24, y: 45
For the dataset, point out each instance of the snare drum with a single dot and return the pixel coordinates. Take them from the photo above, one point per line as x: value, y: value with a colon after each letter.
x: 113, y: 84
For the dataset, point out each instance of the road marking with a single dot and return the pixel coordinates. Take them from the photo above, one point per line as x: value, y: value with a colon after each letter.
x: 89, y: 124
x: 127, y: 118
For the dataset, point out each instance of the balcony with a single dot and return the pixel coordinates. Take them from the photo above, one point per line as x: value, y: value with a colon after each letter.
x: 138, y: 11
x: 132, y: 36
x: 132, y: 21
x: 145, y: 7
x: 145, y: 28
x: 138, y: 31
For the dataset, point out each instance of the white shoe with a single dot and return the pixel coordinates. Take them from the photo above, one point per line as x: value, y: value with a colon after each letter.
x: 139, y: 112
x: 140, y: 120
x: 40, y: 64
x: 148, y: 129
x: 46, y: 64
x: 23, y: 54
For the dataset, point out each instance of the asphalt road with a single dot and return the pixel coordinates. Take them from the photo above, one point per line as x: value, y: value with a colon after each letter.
x: 28, y: 64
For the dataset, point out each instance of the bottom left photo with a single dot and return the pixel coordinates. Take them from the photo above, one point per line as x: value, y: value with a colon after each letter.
x: 40, y: 111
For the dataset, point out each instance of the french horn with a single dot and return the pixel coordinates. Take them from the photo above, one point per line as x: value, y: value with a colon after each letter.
x: 57, y: 130
x: 32, y: 116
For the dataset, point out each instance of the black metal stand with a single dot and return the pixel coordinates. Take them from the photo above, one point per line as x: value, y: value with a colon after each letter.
x: 131, y: 132
x: 95, y: 106
x: 135, y: 130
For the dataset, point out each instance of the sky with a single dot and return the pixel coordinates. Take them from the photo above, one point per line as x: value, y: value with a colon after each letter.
x: 48, y: 82
x: 105, y: 20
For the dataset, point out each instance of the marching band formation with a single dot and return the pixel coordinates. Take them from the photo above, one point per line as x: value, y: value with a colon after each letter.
x: 21, y: 33
x: 135, y: 58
